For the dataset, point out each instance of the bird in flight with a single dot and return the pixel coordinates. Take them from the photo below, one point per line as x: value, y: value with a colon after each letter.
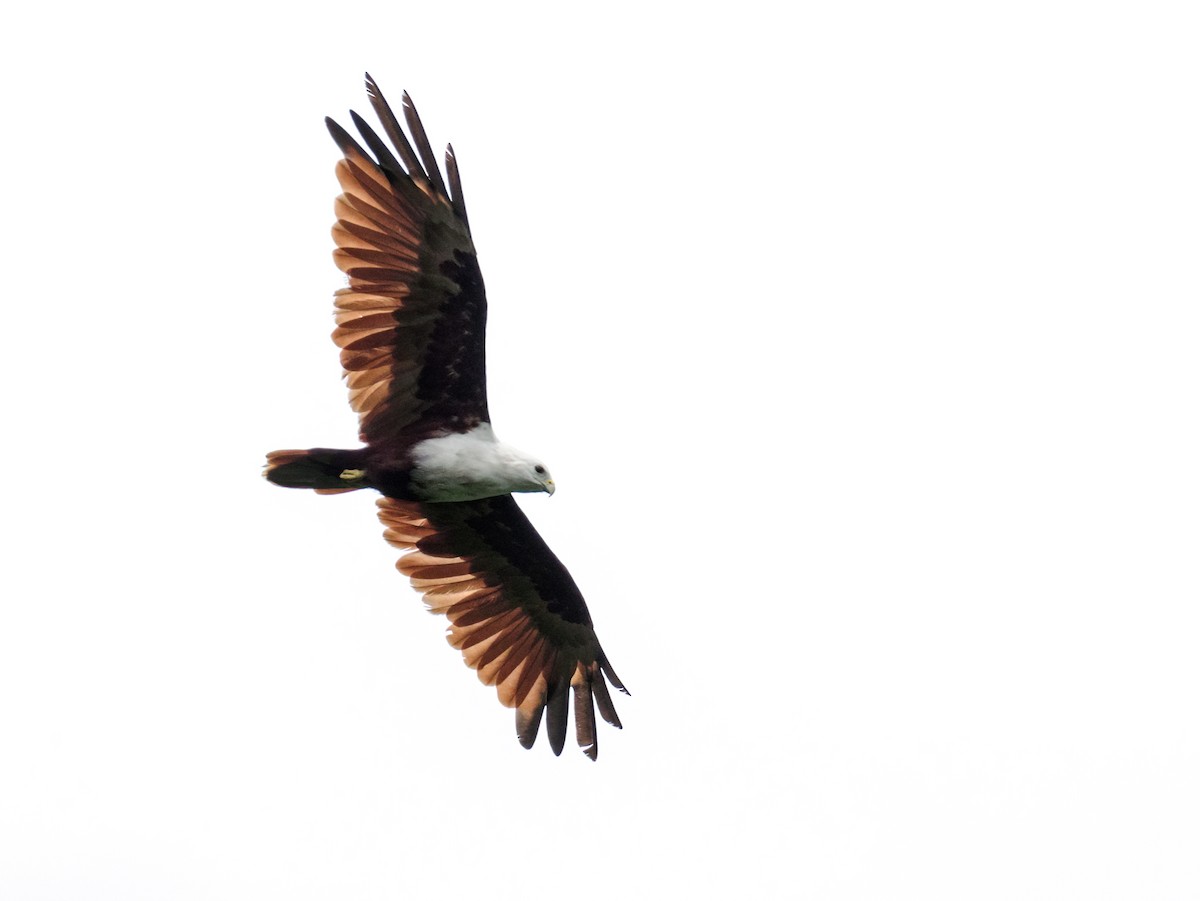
x: 410, y: 325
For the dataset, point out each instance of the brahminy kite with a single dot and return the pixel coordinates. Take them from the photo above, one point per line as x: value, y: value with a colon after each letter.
x: 410, y: 325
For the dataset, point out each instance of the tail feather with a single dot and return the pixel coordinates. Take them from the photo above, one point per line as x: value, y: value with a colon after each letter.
x: 326, y: 470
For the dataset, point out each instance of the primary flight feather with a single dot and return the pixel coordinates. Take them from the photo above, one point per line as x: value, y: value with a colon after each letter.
x: 410, y: 325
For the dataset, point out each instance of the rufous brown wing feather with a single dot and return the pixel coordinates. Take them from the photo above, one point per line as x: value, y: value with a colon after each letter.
x: 410, y: 322
x: 514, y: 611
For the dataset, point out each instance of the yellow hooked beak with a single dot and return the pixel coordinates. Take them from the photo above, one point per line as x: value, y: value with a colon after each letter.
x: 549, y: 484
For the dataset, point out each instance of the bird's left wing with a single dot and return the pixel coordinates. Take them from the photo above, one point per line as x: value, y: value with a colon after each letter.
x: 514, y: 611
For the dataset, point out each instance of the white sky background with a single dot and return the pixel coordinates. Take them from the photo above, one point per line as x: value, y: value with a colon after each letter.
x: 863, y: 347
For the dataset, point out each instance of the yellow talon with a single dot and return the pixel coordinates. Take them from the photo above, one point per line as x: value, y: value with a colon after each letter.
x: 352, y: 475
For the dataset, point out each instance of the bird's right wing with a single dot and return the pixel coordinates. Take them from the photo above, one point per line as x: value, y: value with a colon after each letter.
x: 514, y: 611
x: 411, y: 322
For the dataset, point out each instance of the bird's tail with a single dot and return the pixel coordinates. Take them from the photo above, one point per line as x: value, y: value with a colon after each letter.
x: 323, y: 469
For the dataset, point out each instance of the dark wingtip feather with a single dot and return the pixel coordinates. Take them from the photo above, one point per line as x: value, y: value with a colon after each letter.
x: 556, y: 717
x: 383, y: 153
x: 585, y: 720
x: 527, y: 727
x: 417, y: 130
x: 456, y: 191
x: 372, y: 88
x: 606, y: 668
x: 391, y: 127
x: 343, y: 138
x: 604, y: 702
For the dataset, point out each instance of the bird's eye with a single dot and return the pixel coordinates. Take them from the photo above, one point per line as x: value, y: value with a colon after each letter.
x: 540, y: 469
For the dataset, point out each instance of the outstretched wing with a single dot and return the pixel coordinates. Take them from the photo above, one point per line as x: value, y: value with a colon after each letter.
x: 514, y: 610
x: 410, y: 324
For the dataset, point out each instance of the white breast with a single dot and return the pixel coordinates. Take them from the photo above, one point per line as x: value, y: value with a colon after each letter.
x: 463, y: 467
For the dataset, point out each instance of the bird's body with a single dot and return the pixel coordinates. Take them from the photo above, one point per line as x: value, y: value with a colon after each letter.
x: 410, y: 326
x: 454, y: 466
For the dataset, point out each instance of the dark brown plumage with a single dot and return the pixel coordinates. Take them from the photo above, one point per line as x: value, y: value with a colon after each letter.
x: 410, y: 326
x: 514, y: 610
